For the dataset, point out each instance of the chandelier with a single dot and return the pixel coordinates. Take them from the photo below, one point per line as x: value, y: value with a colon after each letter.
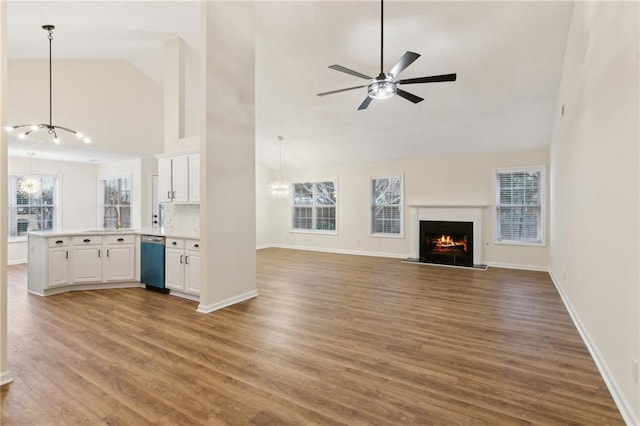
x: 280, y: 188
x: 30, y: 184
x: 51, y: 129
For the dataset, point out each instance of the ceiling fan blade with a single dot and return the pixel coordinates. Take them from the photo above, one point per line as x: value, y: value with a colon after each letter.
x: 348, y: 71
x: 407, y: 59
x: 430, y: 79
x: 341, y: 90
x: 365, y: 103
x: 408, y: 96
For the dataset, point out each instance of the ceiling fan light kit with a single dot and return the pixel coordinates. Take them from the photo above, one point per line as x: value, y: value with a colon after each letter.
x: 385, y: 86
x: 51, y: 129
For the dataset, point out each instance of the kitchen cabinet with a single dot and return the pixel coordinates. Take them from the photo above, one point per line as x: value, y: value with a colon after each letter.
x: 182, y: 266
x: 192, y: 268
x: 86, y: 259
x: 81, y: 261
x: 194, y: 178
x: 57, y: 262
x: 173, y: 179
x: 179, y: 179
x: 174, y: 269
x: 119, y: 260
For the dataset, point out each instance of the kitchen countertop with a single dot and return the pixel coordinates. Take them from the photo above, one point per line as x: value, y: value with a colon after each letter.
x: 144, y: 231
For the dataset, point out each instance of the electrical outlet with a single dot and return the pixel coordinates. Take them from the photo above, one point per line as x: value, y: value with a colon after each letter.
x: 634, y: 370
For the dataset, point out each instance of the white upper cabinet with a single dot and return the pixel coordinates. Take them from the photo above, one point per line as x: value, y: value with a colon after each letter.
x: 179, y: 179
x: 194, y: 178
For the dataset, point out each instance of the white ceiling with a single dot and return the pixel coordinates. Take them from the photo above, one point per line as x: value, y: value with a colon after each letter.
x: 508, y: 57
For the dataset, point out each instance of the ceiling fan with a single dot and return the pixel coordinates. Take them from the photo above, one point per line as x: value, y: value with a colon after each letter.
x: 384, y: 86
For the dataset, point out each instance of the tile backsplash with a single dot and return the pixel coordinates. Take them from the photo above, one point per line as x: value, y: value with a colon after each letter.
x: 182, y: 218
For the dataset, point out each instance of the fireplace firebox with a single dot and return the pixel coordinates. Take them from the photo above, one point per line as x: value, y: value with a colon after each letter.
x: 447, y: 243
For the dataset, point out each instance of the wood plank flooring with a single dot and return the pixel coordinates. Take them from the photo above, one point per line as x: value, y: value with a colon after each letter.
x: 331, y: 339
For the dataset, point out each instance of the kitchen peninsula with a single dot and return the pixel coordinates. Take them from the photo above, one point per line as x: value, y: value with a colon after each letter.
x: 99, y: 259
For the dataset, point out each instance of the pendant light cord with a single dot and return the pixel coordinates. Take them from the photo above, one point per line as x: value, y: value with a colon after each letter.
x: 50, y: 82
x: 381, y: 35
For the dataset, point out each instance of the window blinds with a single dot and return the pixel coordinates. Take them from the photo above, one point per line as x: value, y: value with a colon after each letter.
x: 518, y: 204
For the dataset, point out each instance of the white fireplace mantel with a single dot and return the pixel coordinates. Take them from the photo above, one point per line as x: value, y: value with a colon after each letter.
x: 467, y: 212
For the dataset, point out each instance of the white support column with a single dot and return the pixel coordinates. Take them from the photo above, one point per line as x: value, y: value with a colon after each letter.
x: 173, y: 92
x: 227, y: 154
x: 5, y: 376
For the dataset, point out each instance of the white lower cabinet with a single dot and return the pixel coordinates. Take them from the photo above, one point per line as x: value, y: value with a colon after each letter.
x: 192, y: 271
x: 86, y: 261
x: 119, y: 261
x: 174, y: 269
x: 57, y: 266
x: 182, y: 265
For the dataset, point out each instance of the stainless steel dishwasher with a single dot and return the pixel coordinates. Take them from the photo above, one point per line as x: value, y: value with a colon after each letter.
x: 152, y: 262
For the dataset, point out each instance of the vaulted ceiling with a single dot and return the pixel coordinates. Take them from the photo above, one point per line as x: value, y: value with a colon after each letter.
x: 507, y: 55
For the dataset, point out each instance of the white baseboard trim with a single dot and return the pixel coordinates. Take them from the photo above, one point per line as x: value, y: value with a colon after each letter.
x: 395, y: 256
x: 518, y: 266
x: 16, y: 261
x: 183, y: 295
x: 207, y: 309
x: 621, y: 402
x: 5, y: 377
x: 340, y: 251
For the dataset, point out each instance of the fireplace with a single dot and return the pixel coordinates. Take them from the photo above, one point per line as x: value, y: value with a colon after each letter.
x: 445, y: 242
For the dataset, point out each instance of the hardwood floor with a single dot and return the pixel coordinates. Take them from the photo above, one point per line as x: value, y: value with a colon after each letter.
x: 331, y: 339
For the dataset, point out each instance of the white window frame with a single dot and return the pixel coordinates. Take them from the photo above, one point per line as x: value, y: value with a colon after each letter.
x: 401, y: 207
x: 313, y: 207
x: 101, y: 206
x: 543, y: 210
x: 57, y: 202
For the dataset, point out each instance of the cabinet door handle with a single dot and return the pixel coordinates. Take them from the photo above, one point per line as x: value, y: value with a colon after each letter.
x: 86, y: 240
x: 120, y: 240
x: 196, y: 245
x: 169, y: 194
x: 181, y: 256
x: 98, y: 252
x: 174, y: 243
x: 186, y: 260
x: 107, y: 252
x: 66, y: 254
x: 59, y: 242
x: 173, y: 194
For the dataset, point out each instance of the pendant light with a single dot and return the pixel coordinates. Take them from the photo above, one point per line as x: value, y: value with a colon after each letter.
x: 51, y: 129
x: 30, y: 184
x: 280, y: 188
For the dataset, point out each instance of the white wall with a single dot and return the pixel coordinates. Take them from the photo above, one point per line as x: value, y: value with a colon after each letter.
x: 447, y: 180
x: 264, y: 213
x: 77, y: 197
x: 227, y: 152
x: 107, y: 99
x: 595, y: 172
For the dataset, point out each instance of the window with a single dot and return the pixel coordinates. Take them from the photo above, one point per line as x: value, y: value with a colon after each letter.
x: 386, y: 205
x: 313, y: 207
x: 519, y: 202
x: 115, y: 202
x: 32, y: 212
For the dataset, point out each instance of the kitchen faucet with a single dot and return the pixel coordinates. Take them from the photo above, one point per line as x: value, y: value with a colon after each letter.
x: 106, y: 210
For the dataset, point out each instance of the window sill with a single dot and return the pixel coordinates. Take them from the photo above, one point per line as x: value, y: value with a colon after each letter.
x: 311, y: 231
x: 381, y: 235
x: 17, y: 240
x: 520, y: 243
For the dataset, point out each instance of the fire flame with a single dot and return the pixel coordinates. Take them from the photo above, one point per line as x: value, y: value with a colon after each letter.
x: 446, y: 242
